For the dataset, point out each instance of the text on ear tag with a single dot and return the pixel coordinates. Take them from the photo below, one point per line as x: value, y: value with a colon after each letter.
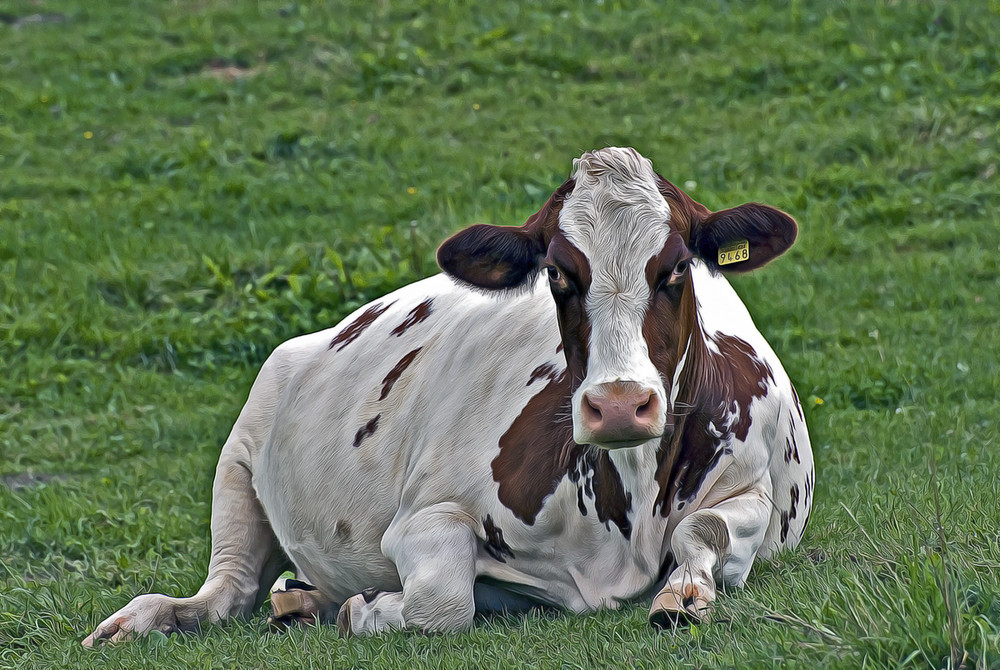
x: 734, y: 252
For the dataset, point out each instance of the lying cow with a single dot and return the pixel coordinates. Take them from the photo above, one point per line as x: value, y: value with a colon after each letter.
x: 578, y: 413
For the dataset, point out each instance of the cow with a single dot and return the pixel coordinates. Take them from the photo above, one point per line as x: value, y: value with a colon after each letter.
x: 578, y: 413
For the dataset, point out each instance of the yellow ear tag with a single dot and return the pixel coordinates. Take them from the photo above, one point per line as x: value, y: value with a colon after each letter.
x: 734, y: 253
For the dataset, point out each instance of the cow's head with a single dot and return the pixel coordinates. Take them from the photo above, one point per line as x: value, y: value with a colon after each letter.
x: 616, y: 242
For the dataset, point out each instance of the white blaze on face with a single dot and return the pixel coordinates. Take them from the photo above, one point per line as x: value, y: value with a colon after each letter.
x: 618, y: 219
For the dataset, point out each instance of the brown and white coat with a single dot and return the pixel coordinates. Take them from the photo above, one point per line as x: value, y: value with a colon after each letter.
x: 580, y: 412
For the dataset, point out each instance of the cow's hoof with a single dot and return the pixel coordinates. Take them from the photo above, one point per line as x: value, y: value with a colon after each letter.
x: 295, y: 605
x: 669, y: 610
x: 143, y: 615
x: 109, y: 632
x: 344, y: 619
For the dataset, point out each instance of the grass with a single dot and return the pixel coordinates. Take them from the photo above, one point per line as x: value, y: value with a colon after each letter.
x: 184, y: 185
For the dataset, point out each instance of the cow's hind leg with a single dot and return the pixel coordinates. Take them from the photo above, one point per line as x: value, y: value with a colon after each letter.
x: 246, y: 559
x: 715, y: 544
x: 434, y: 551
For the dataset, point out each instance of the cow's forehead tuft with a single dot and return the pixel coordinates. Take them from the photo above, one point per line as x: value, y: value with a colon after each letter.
x: 615, y: 205
x: 624, y: 163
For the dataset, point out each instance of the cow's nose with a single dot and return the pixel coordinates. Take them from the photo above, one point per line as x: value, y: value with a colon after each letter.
x: 619, y: 413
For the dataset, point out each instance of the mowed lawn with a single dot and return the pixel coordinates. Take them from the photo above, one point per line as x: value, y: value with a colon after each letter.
x: 185, y: 184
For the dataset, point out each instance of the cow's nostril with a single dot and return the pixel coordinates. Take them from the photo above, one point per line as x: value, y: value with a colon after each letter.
x: 642, y: 409
x: 591, y: 412
x: 648, y: 411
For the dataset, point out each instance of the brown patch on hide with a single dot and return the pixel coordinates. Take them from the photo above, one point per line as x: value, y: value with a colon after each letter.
x: 418, y: 314
x: 570, y: 261
x: 534, y: 451
x: 798, y: 405
x: 715, y: 387
x: 570, y: 295
x: 806, y: 501
x: 396, y: 372
x: 671, y: 317
x: 495, y: 545
x: 538, y: 451
x: 543, y: 370
x: 786, y: 517
x: 791, y: 445
x: 684, y: 212
x: 747, y: 379
x: 366, y: 430
x: 697, y: 451
x: 602, y: 482
x: 359, y: 325
x: 670, y: 325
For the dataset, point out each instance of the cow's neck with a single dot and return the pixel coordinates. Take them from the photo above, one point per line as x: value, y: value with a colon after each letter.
x: 700, y: 408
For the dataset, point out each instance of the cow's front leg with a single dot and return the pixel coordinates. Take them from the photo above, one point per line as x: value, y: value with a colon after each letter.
x: 245, y: 558
x: 712, y: 545
x: 434, y: 551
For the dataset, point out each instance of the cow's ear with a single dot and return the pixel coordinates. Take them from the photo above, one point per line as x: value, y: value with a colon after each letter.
x: 743, y: 238
x: 502, y: 257
x: 491, y: 257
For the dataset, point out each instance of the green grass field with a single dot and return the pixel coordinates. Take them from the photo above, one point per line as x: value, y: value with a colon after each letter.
x: 185, y: 184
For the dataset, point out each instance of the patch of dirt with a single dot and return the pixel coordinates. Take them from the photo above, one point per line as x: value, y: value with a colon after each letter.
x: 221, y: 68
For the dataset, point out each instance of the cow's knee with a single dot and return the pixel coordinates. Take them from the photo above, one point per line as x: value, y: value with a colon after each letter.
x: 434, y: 550
x: 439, y: 602
x: 437, y: 597
x: 429, y: 607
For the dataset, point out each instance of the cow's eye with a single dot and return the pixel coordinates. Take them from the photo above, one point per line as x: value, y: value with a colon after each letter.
x: 670, y: 283
x: 559, y: 281
x: 679, y: 271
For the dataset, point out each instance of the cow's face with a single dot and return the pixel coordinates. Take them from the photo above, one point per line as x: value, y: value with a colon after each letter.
x: 616, y: 243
